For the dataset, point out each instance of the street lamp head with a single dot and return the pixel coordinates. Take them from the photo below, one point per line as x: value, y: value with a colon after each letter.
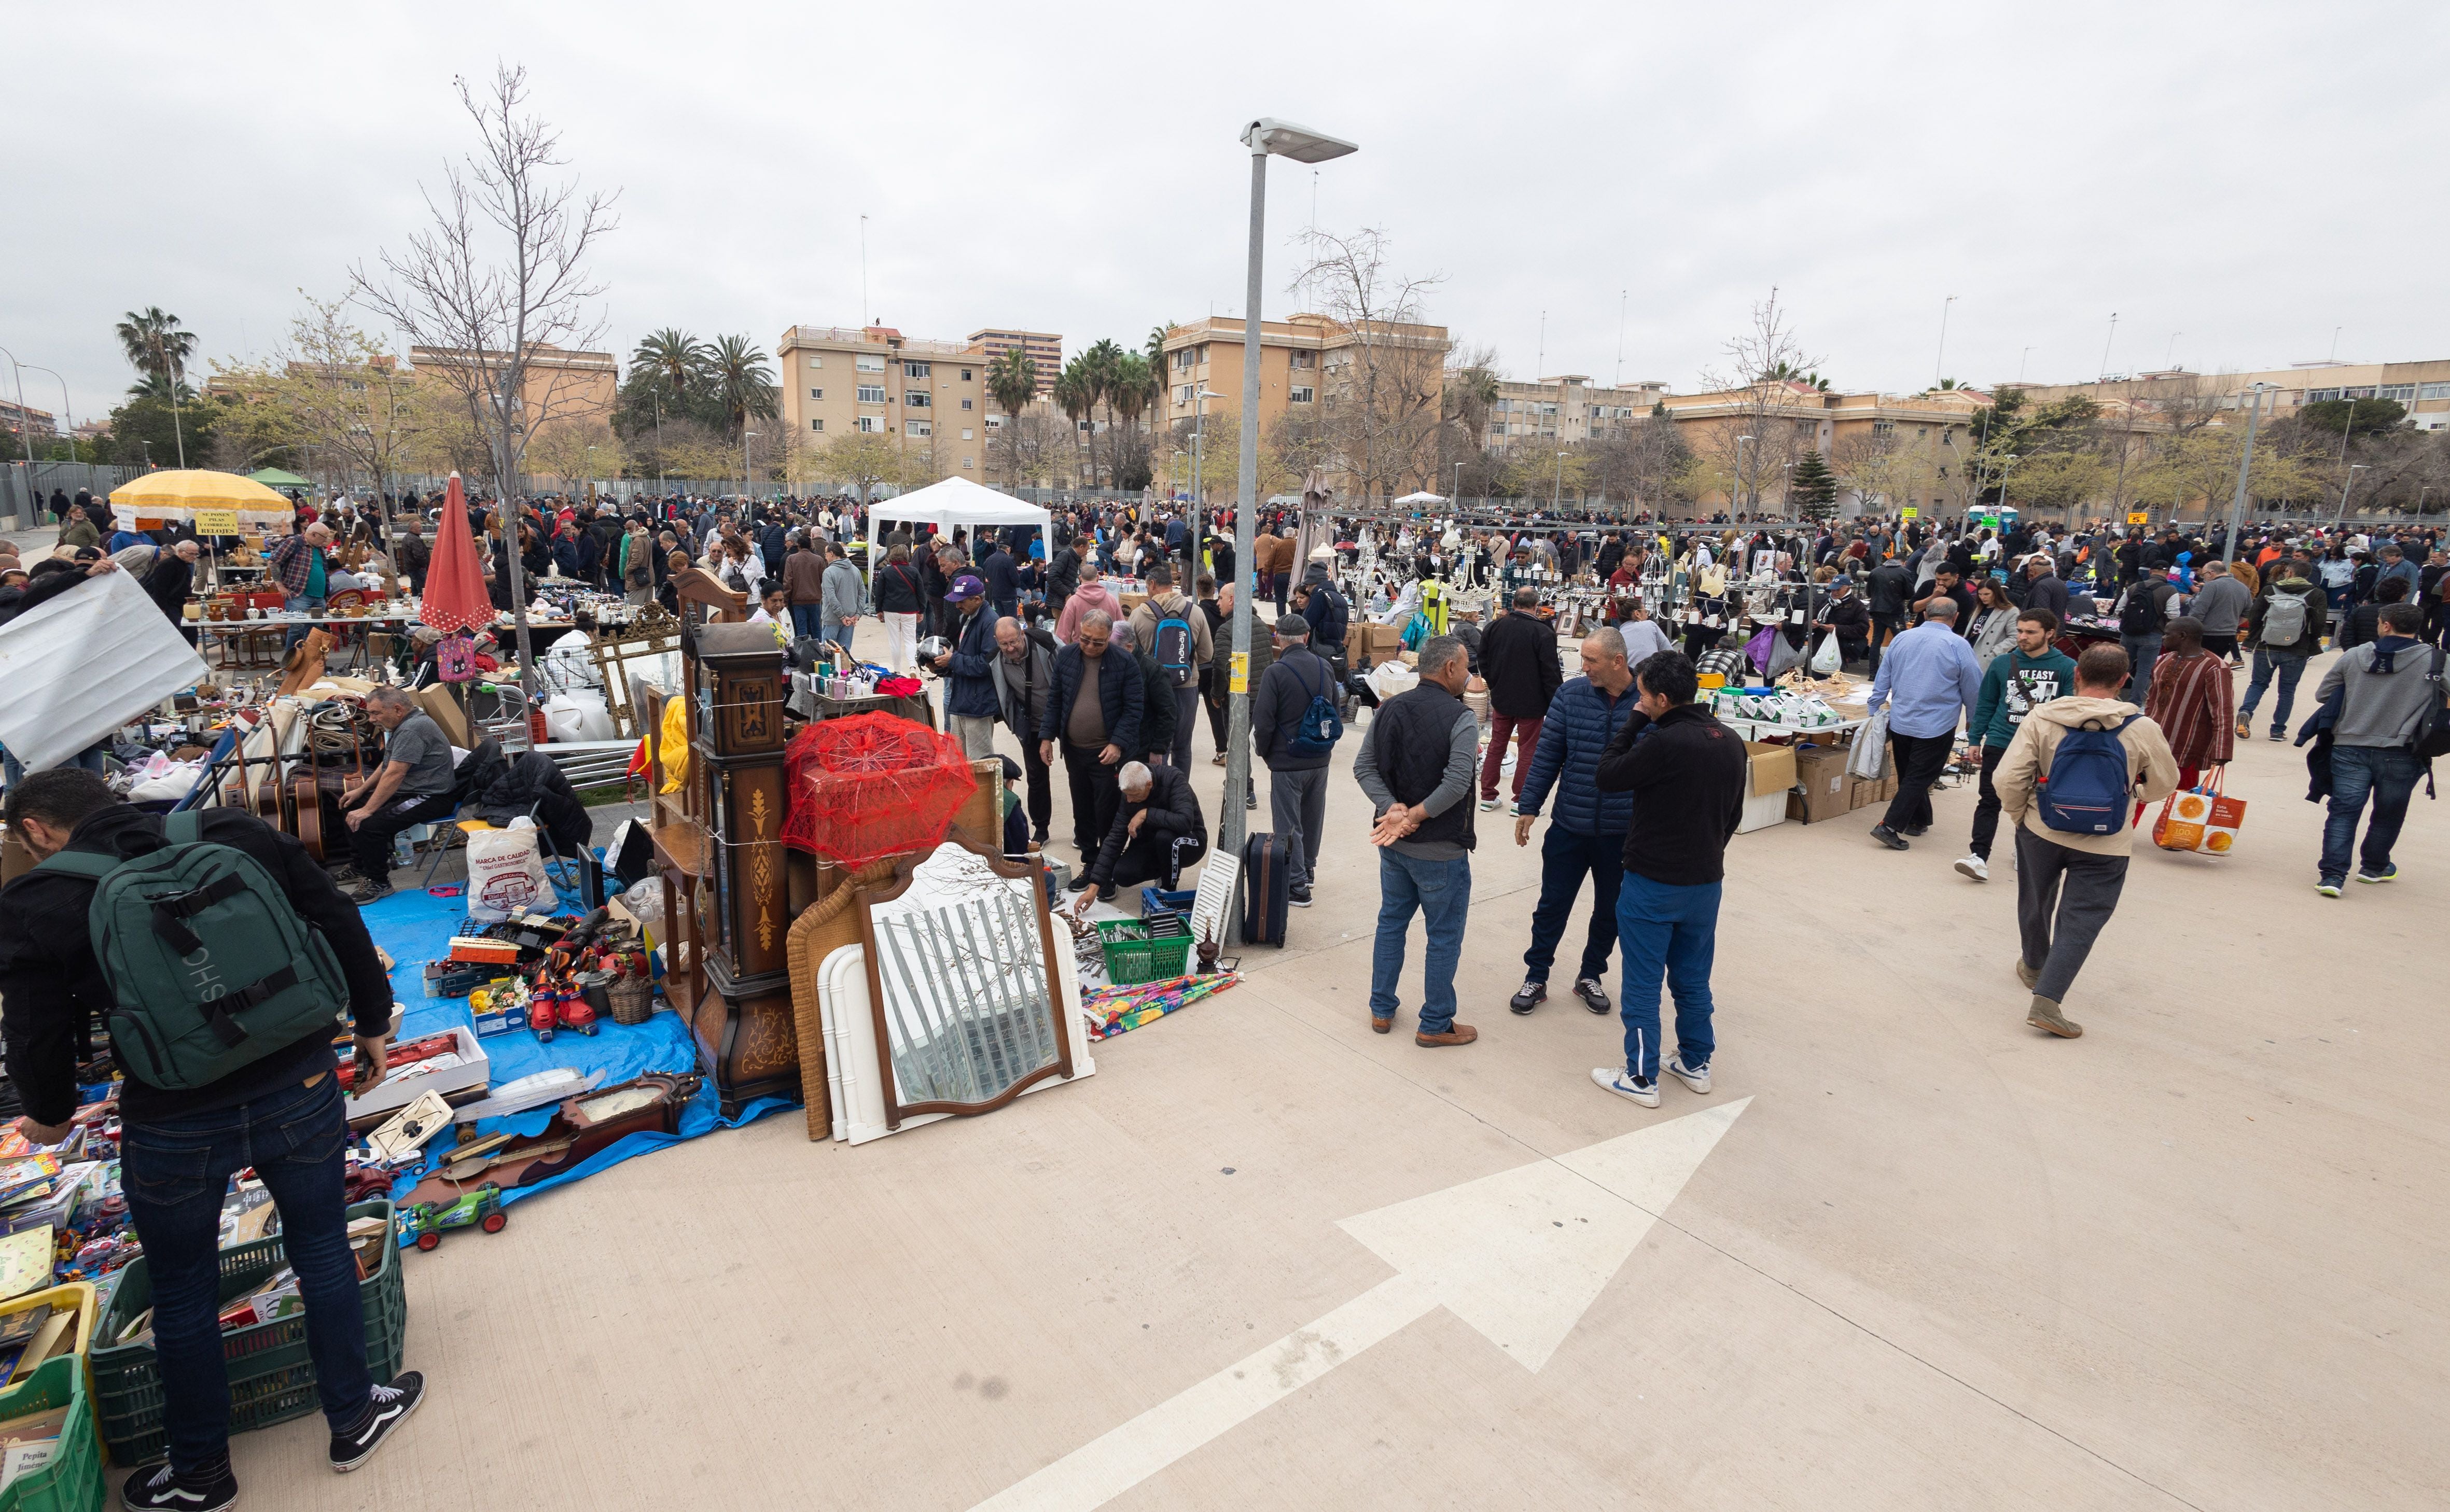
x: 1210, y: 394
x: 1285, y: 140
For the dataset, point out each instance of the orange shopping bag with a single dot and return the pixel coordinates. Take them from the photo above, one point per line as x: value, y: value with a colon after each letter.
x: 2203, y: 819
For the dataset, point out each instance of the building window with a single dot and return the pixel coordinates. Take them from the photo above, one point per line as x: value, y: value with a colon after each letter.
x: 1305, y: 359
x: 816, y: 394
x: 917, y: 398
x: 916, y: 369
x: 2321, y: 395
x: 816, y: 425
x: 2433, y: 391
x: 1884, y: 427
x: 966, y: 404
x: 816, y: 361
x: 2364, y: 393
x: 995, y: 422
x: 919, y: 428
x: 1302, y: 396
x: 869, y: 364
x: 965, y: 463
x: 965, y: 433
x: 871, y: 394
x: 871, y: 424
x: 2404, y: 393
x: 965, y: 375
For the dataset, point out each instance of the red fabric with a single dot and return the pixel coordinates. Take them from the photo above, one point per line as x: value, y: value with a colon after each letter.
x: 454, y: 585
x: 872, y: 786
x: 1525, y: 734
x: 2190, y: 700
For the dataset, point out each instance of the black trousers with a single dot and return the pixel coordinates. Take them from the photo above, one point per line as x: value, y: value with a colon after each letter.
x: 2223, y: 647
x: 1884, y: 628
x: 1920, y: 759
x: 1157, y: 855
x: 1986, y: 810
x: 370, y: 842
x: 1040, y: 801
x: 1213, y: 682
x: 1096, y: 795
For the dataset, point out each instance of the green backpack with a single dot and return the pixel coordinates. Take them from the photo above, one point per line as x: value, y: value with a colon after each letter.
x: 177, y: 931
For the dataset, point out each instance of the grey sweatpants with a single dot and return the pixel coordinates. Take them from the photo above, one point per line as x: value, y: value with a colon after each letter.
x: 2083, y: 904
x: 1297, y: 807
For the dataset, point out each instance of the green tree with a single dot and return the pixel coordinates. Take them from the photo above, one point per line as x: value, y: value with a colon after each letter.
x: 157, y: 345
x: 1075, y: 394
x: 1813, y: 488
x: 1012, y: 382
x: 2354, y: 416
x: 740, y: 384
x: 147, y: 429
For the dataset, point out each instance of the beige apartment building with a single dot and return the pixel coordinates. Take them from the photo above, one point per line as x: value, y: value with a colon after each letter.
x: 1045, y: 348
x: 561, y: 386
x: 929, y: 396
x: 2422, y: 387
x: 1305, y: 365
x: 1565, y: 409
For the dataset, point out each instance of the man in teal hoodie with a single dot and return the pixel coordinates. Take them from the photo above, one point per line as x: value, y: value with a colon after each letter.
x: 2032, y: 672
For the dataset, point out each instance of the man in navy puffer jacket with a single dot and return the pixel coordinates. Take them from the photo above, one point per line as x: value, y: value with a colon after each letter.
x: 1588, y: 832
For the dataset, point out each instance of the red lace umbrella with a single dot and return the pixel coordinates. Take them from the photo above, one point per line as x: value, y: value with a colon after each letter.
x: 872, y: 786
x: 454, y: 585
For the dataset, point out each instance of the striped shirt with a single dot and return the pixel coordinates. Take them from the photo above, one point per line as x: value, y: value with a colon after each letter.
x: 2190, y: 700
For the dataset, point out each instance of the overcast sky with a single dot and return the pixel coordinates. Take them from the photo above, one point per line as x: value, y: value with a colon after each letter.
x: 2235, y: 183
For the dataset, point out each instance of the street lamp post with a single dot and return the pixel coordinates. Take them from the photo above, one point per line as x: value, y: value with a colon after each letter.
x: 1265, y: 137
x: 1557, y: 495
x: 746, y: 436
x: 2351, y: 483
x: 2006, y: 463
x: 1198, y: 454
x: 2245, y: 466
x: 1458, y: 486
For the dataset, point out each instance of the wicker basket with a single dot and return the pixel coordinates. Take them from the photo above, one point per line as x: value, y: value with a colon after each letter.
x: 633, y: 1000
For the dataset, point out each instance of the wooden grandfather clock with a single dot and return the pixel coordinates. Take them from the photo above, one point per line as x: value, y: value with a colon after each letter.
x: 743, y: 1020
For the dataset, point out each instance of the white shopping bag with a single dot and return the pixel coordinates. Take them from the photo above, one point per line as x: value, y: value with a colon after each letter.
x: 1869, y: 758
x: 506, y: 876
x: 1827, y: 659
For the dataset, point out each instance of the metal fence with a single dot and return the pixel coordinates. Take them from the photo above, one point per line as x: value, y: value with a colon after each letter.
x: 26, y: 487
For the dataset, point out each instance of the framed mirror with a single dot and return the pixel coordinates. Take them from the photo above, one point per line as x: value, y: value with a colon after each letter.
x: 968, y: 1006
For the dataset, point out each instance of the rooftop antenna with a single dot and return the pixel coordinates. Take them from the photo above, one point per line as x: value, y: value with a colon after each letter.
x: 864, y: 317
x: 2335, y: 344
x: 2170, y: 355
x: 1939, y: 363
x: 2105, y: 347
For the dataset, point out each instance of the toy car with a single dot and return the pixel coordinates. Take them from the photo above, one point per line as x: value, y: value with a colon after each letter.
x: 483, y: 1208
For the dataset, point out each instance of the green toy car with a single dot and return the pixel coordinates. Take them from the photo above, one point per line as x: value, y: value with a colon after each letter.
x: 482, y: 1208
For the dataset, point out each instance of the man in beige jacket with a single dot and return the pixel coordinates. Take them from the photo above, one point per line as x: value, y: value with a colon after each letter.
x: 1165, y: 602
x: 2092, y: 867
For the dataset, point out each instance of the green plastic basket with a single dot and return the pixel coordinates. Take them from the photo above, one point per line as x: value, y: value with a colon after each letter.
x: 1148, y: 949
x: 271, y: 1376
x: 72, y: 1481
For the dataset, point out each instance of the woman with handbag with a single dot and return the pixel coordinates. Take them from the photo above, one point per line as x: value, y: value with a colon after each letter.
x: 2193, y: 708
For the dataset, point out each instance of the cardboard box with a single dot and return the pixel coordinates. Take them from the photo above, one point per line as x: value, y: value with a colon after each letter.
x: 1826, y: 791
x: 1889, y: 786
x: 1385, y: 637
x: 1763, y: 811
x: 1866, y: 793
x: 1771, y: 768
x: 475, y: 1069
x: 445, y: 709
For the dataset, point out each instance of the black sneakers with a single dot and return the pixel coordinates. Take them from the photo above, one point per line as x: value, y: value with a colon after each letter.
x: 1298, y: 896
x: 1594, y: 996
x: 158, y: 1487
x: 386, y: 1409
x: 1532, y: 996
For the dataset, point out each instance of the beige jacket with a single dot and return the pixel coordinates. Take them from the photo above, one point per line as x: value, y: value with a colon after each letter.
x: 2153, y: 770
x: 1143, y: 621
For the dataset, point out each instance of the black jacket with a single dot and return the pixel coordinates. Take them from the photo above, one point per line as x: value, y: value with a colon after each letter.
x: 1172, y: 810
x: 1284, y: 694
x: 16, y: 601
x: 1848, y: 617
x: 51, y: 981
x: 1518, y: 660
x: 525, y: 784
x: 167, y: 585
x: 1157, y: 707
x: 898, y: 589
x: 1888, y: 587
x: 1686, y: 773
x: 2046, y: 591
x: 1121, y: 691
x: 1002, y: 579
x: 1062, y: 575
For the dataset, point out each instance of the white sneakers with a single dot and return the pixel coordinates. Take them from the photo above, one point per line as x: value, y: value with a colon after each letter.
x: 1645, y: 1092
x: 1698, y: 1079
x: 1975, y: 867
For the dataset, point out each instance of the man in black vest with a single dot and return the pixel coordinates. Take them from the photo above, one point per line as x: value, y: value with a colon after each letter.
x: 1415, y: 763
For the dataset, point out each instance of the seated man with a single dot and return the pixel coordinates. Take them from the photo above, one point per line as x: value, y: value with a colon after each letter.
x: 413, y: 785
x: 1157, y: 831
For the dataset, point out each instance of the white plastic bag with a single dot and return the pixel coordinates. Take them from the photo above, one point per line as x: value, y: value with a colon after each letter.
x: 1390, y: 678
x: 1869, y: 758
x: 506, y: 876
x: 1827, y: 659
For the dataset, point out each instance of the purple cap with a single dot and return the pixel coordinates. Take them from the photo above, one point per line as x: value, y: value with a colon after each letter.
x: 966, y: 588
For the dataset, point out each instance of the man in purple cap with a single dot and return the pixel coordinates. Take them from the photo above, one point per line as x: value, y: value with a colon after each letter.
x: 968, y: 669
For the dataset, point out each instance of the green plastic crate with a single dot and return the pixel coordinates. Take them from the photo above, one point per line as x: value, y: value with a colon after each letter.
x: 72, y: 1481
x: 1148, y: 949
x: 271, y: 1376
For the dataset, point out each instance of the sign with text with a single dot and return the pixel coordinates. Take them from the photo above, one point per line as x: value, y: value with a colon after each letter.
x: 2139, y: 516
x: 216, y: 522
x: 1908, y: 512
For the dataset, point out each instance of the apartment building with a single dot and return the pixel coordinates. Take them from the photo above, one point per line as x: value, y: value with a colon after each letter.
x: 560, y: 385
x: 36, y: 424
x: 1565, y: 409
x: 2424, y: 387
x: 843, y: 380
x: 1045, y: 348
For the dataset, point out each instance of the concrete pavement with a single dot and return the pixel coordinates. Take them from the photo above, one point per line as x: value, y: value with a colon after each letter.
x: 2193, y: 1259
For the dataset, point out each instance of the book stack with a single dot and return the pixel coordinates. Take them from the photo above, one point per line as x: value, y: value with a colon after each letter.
x: 32, y: 1336
x: 29, y: 1443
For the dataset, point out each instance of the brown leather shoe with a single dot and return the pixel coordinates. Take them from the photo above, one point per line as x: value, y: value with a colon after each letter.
x: 1380, y: 1026
x: 1459, y: 1034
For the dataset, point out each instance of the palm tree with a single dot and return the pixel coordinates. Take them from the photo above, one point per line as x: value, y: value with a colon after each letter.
x: 1100, y: 359
x: 1076, y: 397
x: 741, y: 382
x: 675, y: 361
x: 1012, y: 382
x: 1132, y: 387
x: 156, y: 344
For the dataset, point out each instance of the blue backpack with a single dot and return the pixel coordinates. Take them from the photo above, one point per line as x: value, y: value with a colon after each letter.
x: 2086, y: 791
x: 1320, y: 726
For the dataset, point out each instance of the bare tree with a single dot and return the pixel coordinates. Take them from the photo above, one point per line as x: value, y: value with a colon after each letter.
x: 333, y: 389
x: 1379, y: 401
x: 1765, y: 378
x: 488, y: 310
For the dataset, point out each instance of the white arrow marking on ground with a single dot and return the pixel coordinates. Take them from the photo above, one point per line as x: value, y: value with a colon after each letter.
x: 1519, y: 1255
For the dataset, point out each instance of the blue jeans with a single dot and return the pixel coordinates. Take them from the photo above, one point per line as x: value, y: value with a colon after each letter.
x: 89, y: 757
x: 2387, y: 774
x: 1441, y: 890
x: 808, y: 621
x: 1667, y: 931
x: 2290, y: 666
x: 175, y: 1172
x: 300, y: 605
x: 1563, y: 858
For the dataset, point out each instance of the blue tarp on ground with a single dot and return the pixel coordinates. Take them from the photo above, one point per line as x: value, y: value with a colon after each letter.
x: 416, y: 927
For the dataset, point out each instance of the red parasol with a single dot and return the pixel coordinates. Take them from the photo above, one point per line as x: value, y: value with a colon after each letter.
x: 454, y: 585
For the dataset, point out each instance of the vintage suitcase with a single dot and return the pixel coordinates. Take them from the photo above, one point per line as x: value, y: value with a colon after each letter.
x: 1267, y: 871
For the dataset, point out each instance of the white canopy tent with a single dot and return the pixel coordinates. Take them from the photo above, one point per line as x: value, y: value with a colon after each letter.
x: 1421, y: 497
x: 956, y: 501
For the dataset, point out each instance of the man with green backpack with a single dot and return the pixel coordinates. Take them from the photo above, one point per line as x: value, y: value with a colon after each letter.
x: 220, y: 957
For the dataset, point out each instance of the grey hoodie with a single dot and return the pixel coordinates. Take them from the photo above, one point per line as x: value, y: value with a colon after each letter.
x: 2383, y: 708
